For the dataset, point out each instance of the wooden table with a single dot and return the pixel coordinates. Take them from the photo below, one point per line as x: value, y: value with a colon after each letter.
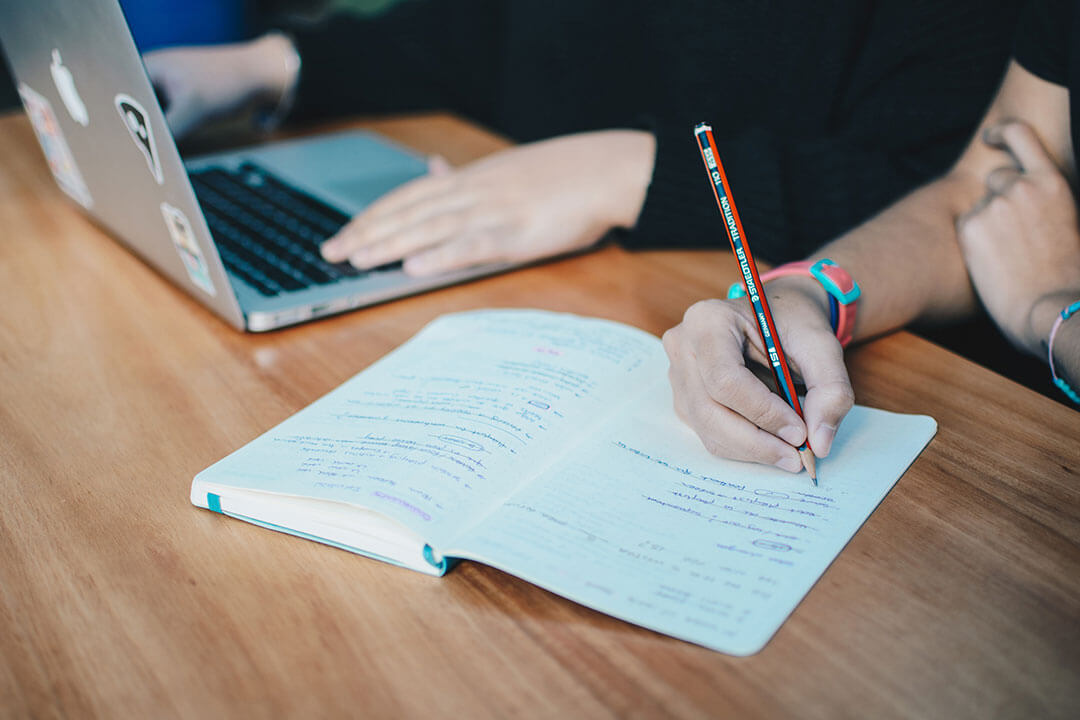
x: 960, y: 597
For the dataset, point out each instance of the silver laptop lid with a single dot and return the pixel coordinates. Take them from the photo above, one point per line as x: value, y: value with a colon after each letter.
x: 82, y: 82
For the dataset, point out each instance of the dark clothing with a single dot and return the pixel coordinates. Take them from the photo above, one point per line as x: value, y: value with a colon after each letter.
x: 824, y: 111
x: 1044, y: 45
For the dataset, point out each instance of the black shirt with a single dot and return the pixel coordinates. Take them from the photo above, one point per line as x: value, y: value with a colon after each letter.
x: 1044, y: 46
x: 824, y: 111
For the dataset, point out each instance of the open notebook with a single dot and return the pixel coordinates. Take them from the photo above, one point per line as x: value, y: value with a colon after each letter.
x: 546, y: 445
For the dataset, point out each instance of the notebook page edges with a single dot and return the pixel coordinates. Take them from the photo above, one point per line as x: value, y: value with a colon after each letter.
x: 348, y: 527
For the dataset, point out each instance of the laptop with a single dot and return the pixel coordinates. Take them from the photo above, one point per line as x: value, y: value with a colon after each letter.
x: 240, y: 231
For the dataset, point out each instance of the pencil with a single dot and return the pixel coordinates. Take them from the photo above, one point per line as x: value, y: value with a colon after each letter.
x: 767, y: 329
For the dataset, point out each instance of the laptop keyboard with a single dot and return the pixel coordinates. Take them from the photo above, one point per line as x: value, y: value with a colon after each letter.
x: 267, y: 232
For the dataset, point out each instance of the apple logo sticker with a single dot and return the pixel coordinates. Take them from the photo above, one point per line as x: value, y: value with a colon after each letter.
x: 65, y: 85
x: 138, y: 126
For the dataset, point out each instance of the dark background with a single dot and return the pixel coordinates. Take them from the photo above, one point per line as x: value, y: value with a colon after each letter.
x: 159, y: 23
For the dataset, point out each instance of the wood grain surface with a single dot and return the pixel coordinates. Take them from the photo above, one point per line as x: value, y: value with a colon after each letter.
x: 959, y: 598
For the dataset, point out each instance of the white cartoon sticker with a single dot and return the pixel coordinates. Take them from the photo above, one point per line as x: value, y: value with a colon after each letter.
x: 184, y: 240
x: 138, y: 124
x: 69, y: 94
x: 57, y: 153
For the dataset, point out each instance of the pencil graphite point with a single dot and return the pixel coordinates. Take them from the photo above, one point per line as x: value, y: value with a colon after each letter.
x: 809, y: 462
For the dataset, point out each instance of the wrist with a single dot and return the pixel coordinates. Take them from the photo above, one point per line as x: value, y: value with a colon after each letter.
x: 1040, y: 319
x: 803, y: 290
x: 839, y: 289
x: 1063, y: 350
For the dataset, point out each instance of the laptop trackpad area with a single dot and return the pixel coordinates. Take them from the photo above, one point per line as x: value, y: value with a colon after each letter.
x: 366, y: 188
x: 348, y: 170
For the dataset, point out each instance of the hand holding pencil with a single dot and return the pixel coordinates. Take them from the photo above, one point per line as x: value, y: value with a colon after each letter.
x: 732, y: 411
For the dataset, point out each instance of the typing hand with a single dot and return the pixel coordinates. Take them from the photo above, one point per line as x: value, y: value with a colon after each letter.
x: 733, y: 412
x: 524, y: 203
x: 1020, y: 243
x: 199, y: 85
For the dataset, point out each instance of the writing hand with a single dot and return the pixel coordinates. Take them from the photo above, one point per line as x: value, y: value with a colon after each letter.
x: 199, y: 85
x: 1020, y: 243
x: 733, y: 412
x: 525, y: 203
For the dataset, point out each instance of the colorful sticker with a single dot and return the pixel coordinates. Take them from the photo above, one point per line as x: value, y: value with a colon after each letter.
x: 184, y: 240
x: 138, y: 124
x: 69, y: 94
x: 57, y: 153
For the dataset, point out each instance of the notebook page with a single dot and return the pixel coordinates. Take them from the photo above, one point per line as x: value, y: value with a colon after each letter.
x: 446, y: 426
x: 644, y: 524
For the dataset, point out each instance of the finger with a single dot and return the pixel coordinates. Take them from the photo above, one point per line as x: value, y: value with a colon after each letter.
x: 963, y: 219
x: 431, y: 233
x: 718, y: 348
x: 1001, y: 179
x: 819, y: 359
x: 387, y: 225
x: 723, y: 432
x: 1021, y: 141
x: 736, y: 387
x: 407, y: 204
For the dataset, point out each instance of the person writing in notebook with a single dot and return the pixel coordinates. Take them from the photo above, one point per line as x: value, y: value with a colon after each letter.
x: 838, y: 108
x: 998, y: 230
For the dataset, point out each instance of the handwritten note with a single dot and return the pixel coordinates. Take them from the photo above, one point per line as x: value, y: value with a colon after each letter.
x: 447, y: 426
x: 644, y: 525
x: 547, y: 445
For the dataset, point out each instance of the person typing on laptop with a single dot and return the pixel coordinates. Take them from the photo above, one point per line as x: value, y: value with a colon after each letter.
x: 840, y: 108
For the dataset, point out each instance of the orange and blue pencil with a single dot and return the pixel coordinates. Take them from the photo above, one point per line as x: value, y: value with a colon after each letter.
x: 726, y: 202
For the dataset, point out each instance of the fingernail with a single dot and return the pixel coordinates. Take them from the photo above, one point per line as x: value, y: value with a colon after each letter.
x: 823, y: 439
x: 792, y: 435
x: 790, y: 463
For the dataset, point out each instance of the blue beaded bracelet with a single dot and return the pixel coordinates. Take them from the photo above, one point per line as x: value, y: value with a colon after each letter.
x: 1066, y: 312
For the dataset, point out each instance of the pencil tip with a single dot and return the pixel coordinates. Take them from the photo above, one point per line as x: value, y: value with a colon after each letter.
x: 809, y: 463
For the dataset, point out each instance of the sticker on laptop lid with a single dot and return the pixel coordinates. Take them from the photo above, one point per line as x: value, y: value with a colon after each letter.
x: 69, y: 94
x: 184, y: 239
x: 57, y: 153
x: 137, y: 123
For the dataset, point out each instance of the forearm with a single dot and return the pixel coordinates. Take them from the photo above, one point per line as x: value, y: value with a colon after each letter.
x: 907, y: 261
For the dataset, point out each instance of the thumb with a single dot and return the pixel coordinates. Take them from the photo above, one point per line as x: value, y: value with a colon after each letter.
x: 829, y: 395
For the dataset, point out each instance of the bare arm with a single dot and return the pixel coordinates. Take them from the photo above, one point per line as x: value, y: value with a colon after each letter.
x: 907, y: 259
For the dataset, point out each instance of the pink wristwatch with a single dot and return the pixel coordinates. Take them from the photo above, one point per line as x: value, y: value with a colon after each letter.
x: 843, y: 291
